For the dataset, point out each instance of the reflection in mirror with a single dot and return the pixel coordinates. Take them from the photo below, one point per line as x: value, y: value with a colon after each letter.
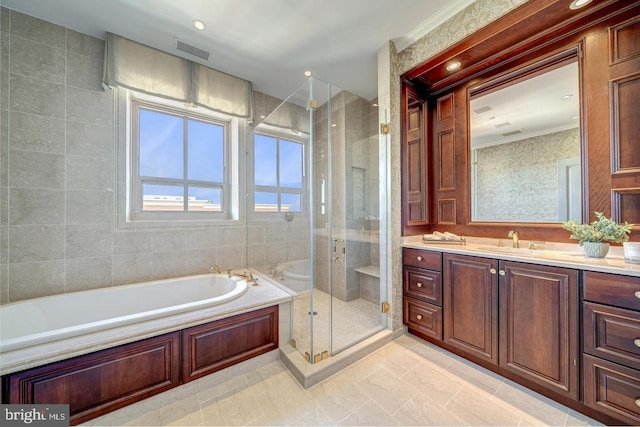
x: 525, y: 150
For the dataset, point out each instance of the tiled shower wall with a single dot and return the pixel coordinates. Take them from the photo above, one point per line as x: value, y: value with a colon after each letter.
x: 58, y: 228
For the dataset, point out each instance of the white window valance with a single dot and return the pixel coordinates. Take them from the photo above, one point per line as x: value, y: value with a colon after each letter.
x: 144, y: 69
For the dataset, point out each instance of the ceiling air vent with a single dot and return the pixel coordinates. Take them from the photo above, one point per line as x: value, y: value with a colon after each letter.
x: 501, y: 125
x: 192, y: 50
x: 483, y: 109
x: 513, y: 132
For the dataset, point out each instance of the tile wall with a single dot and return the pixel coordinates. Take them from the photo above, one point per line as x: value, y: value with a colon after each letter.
x: 58, y: 226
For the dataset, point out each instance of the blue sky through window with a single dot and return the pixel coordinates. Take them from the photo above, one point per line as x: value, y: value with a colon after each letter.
x: 162, y: 141
x: 279, y: 164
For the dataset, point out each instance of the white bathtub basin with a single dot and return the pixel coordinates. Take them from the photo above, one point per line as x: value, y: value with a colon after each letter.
x: 40, y: 320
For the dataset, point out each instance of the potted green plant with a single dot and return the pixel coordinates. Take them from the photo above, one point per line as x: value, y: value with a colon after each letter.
x: 595, y: 237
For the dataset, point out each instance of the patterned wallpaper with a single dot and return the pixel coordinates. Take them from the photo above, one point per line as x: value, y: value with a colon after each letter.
x: 519, y: 181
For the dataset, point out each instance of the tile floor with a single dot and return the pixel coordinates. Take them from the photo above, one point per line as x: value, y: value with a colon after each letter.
x: 408, y: 382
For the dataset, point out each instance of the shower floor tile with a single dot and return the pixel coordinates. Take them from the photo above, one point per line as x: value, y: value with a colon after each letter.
x: 406, y: 382
x: 351, y: 322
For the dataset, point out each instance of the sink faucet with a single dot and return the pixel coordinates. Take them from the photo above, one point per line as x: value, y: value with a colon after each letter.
x: 514, y: 236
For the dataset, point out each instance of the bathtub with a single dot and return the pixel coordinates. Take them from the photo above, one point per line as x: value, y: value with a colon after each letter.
x: 46, y: 319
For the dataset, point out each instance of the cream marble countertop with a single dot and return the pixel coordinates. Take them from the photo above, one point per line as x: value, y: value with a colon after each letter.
x: 265, y: 294
x: 546, y: 253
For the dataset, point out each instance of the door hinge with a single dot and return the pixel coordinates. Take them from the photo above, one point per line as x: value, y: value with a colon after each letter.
x: 385, y: 307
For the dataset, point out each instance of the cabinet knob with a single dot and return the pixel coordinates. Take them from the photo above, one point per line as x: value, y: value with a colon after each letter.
x: 636, y: 342
x: 492, y: 271
x: 419, y: 284
x: 419, y: 317
x: 638, y: 402
x: 501, y: 272
x: 419, y: 258
x: 637, y: 294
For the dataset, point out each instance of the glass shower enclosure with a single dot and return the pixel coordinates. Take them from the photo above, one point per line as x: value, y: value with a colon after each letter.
x: 313, y: 209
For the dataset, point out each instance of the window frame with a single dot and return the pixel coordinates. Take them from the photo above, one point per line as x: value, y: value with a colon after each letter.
x: 129, y: 201
x: 279, y: 190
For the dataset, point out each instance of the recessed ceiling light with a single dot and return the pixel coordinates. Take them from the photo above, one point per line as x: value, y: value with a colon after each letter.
x: 577, y: 4
x: 307, y: 73
x: 199, y: 24
x: 452, y: 66
x: 567, y: 96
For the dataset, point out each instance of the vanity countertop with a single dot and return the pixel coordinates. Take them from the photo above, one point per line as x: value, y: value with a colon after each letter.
x: 548, y: 253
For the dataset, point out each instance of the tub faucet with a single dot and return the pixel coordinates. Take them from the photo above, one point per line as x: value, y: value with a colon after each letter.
x: 215, y: 269
x: 247, y: 276
x: 516, y: 240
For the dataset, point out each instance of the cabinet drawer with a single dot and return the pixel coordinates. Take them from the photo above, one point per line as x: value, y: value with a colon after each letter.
x: 612, y: 333
x: 422, y: 259
x: 612, y: 289
x: 423, y: 317
x: 424, y: 285
x: 612, y: 389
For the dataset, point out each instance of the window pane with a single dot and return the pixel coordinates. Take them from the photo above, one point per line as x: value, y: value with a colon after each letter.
x: 205, y: 151
x: 266, y: 201
x: 157, y: 197
x: 161, y: 145
x: 291, y: 202
x: 290, y: 164
x: 207, y: 199
x: 266, y: 162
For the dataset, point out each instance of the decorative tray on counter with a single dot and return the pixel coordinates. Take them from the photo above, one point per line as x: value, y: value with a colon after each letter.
x: 446, y: 238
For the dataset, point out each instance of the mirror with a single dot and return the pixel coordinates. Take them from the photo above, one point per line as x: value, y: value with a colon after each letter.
x: 525, y: 148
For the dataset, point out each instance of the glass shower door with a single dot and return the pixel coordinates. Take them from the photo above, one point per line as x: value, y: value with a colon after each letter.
x: 319, y: 232
x: 354, y: 217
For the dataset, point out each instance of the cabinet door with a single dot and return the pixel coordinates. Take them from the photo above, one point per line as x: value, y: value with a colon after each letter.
x: 539, y: 324
x: 470, y: 305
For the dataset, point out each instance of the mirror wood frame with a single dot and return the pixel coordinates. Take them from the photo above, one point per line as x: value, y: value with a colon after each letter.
x: 523, y: 37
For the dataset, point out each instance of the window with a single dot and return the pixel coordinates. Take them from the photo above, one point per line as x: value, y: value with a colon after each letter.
x: 178, y: 165
x: 278, y: 174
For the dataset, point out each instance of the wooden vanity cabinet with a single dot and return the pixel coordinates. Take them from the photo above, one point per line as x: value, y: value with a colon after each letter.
x: 611, y: 337
x: 539, y: 325
x: 470, y: 295
x: 520, y: 317
x: 422, y: 292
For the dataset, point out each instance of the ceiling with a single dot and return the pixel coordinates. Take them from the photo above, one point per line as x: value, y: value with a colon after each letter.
x: 546, y: 103
x: 269, y: 42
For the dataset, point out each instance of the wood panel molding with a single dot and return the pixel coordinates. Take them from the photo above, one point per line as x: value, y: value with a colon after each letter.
x: 447, y: 211
x: 446, y: 161
x: 624, y: 42
x: 625, y: 133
